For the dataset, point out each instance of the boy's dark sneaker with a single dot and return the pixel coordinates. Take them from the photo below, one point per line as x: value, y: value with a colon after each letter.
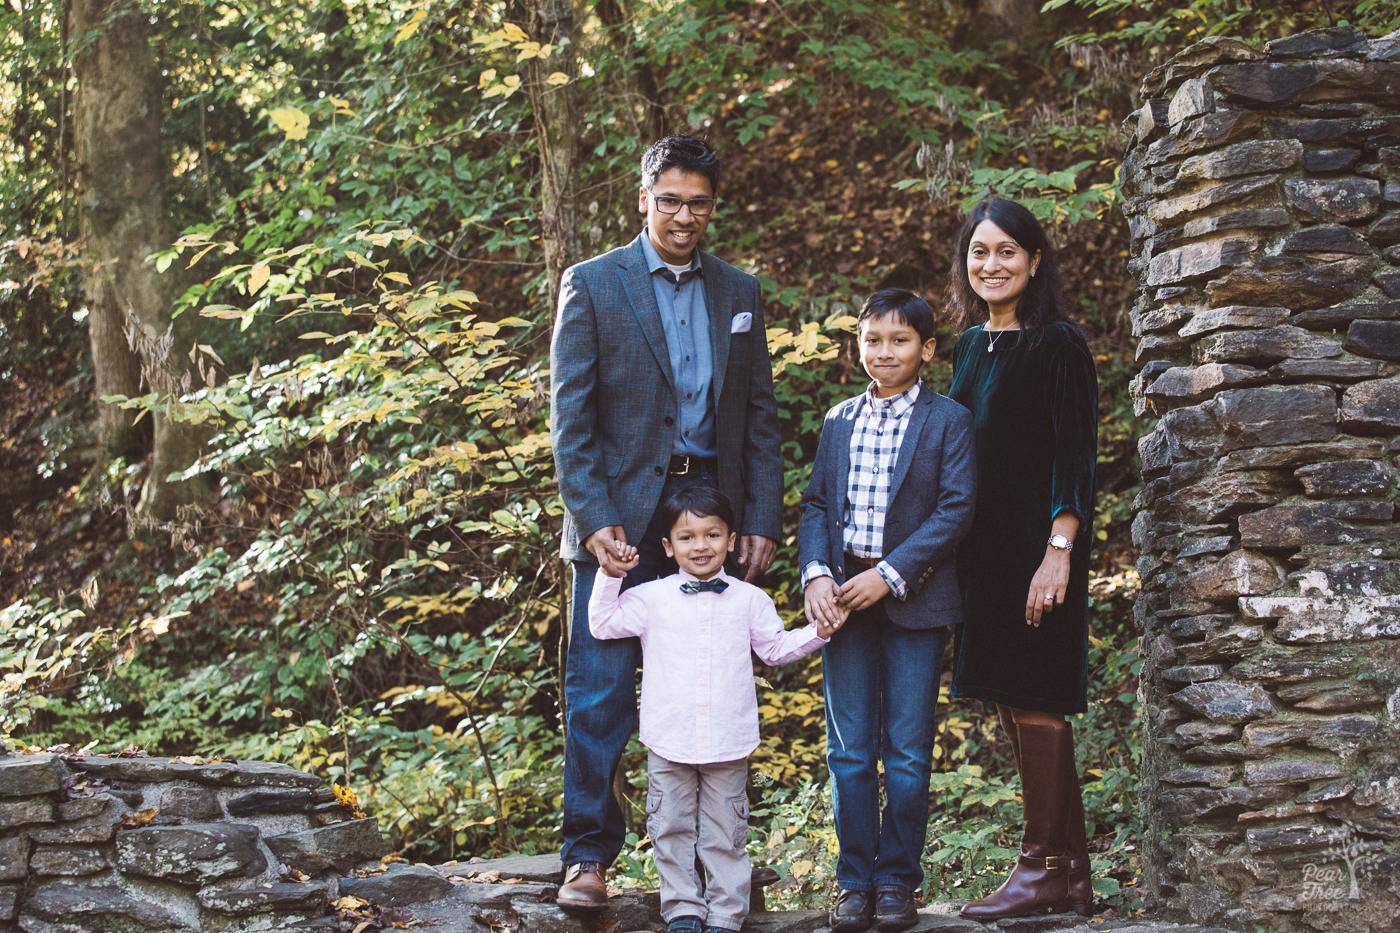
x: 894, y: 907
x: 687, y: 924
x: 854, y: 912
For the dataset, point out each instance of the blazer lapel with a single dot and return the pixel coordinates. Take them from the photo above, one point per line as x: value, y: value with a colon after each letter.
x: 844, y: 427
x: 720, y: 303
x: 918, y: 417
x: 635, y: 283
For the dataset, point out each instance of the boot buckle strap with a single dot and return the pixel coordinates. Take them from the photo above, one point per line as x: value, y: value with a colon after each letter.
x: 1055, y: 862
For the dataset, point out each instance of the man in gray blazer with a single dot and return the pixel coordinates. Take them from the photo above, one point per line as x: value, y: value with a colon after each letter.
x: 661, y: 380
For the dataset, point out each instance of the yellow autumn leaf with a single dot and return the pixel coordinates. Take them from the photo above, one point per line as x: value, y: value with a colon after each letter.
x: 513, y: 33
x: 258, y: 277
x: 556, y: 79
x: 488, y: 77
x: 508, y: 86
x: 291, y: 121
x: 410, y: 27
x: 528, y: 50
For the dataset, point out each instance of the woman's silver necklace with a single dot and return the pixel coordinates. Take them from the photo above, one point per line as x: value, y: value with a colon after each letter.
x: 992, y: 336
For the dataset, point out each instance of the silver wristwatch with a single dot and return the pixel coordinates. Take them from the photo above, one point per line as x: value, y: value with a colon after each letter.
x: 1060, y: 543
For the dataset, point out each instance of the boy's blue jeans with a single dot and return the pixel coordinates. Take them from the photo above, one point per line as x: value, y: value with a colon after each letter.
x: 881, y: 687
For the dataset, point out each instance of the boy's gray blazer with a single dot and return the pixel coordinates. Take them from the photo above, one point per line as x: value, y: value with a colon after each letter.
x: 613, y: 400
x: 932, y: 493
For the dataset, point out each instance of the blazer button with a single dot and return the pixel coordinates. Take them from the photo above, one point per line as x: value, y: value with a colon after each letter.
x: 659, y: 471
x: 670, y: 421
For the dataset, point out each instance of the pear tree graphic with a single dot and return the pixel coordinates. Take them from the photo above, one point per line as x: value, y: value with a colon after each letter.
x: 1356, y: 853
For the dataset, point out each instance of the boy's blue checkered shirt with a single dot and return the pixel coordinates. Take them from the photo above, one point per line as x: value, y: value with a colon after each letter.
x: 875, y: 440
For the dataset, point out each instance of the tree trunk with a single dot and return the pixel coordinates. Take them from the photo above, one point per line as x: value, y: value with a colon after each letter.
x: 640, y: 77
x: 555, y: 108
x: 123, y: 219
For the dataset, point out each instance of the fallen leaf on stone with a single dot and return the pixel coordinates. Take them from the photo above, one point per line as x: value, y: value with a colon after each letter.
x: 287, y: 873
x: 139, y: 818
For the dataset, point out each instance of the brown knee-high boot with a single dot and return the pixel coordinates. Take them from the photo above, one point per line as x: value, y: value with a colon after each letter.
x: 1040, y: 881
x: 1080, y: 897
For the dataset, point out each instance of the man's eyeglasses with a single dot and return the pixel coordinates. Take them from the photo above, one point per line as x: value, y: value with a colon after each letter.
x: 667, y: 204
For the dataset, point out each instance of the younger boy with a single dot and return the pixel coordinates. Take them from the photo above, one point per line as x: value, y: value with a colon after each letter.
x: 890, y: 496
x: 699, y: 717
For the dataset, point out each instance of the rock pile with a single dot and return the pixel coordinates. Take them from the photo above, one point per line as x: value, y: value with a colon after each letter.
x: 1263, y: 195
x: 128, y: 845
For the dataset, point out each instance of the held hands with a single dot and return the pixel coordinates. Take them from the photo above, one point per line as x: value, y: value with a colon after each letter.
x: 863, y: 590
x: 828, y: 605
x: 1047, y: 586
x: 610, y: 548
x: 823, y: 609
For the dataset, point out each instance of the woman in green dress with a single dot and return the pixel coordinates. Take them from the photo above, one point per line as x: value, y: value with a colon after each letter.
x: 1028, y: 378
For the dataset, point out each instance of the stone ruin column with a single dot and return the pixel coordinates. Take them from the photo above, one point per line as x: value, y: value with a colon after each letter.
x: 1262, y: 190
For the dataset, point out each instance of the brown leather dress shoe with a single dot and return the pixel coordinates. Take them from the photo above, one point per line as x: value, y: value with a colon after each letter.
x: 583, y: 887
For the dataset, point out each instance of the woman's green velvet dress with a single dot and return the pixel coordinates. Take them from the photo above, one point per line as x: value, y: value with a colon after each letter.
x: 1035, y: 415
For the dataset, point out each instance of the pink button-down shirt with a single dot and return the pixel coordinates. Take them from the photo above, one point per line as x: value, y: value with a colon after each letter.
x: 699, y: 705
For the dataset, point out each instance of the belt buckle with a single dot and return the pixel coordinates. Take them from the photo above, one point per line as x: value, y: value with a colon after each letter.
x: 685, y: 467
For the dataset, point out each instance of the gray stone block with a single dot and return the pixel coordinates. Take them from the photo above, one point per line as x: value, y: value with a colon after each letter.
x: 67, y: 861
x: 1378, y: 339
x: 25, y: 811
x: 278, y: 801
x: 339, y: 846
x: 83, y: 906
x: 1225, y: 702
x: 397, y: 885
x: 281, y: 896
x: 14, y: 858
x: 1372, y: 406
x: 1347, y: 478
x: 30, y: 775
x: 195, y: 853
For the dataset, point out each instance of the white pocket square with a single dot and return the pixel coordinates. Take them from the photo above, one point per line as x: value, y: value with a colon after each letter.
x: 742, y: 323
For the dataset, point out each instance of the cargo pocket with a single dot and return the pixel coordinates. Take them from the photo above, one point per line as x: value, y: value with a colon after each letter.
x: 653, y: 808
x: 741, y: 821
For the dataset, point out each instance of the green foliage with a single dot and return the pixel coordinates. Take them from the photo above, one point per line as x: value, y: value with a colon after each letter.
x: 1173, y: 25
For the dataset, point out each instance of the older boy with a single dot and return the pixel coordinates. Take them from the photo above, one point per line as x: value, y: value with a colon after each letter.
x: 891, y: 494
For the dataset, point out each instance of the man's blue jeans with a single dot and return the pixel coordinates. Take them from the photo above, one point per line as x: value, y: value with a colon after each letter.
x: 600, y: 690
x: 881, y: 687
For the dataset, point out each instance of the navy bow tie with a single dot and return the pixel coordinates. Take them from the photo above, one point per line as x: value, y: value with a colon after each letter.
x: 703, y: 586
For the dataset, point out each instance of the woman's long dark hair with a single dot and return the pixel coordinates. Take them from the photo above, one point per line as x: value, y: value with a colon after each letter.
x: 1042, y: 302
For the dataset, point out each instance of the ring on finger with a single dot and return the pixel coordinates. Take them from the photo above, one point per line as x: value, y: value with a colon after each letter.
x: 1049, y: 597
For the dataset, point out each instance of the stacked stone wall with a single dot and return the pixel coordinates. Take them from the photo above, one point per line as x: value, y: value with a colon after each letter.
x: 1262, y: 189
x: 130, y: 845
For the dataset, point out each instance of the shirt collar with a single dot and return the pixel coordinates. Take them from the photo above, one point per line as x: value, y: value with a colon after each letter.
x: 655, y: 263
x: 896, y: 405
x: 686, y: 575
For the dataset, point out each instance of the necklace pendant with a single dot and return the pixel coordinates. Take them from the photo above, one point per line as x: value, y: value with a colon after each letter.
x: 991, y: 345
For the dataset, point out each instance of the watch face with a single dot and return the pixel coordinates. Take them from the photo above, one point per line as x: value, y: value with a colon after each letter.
x: 1059, y: 541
